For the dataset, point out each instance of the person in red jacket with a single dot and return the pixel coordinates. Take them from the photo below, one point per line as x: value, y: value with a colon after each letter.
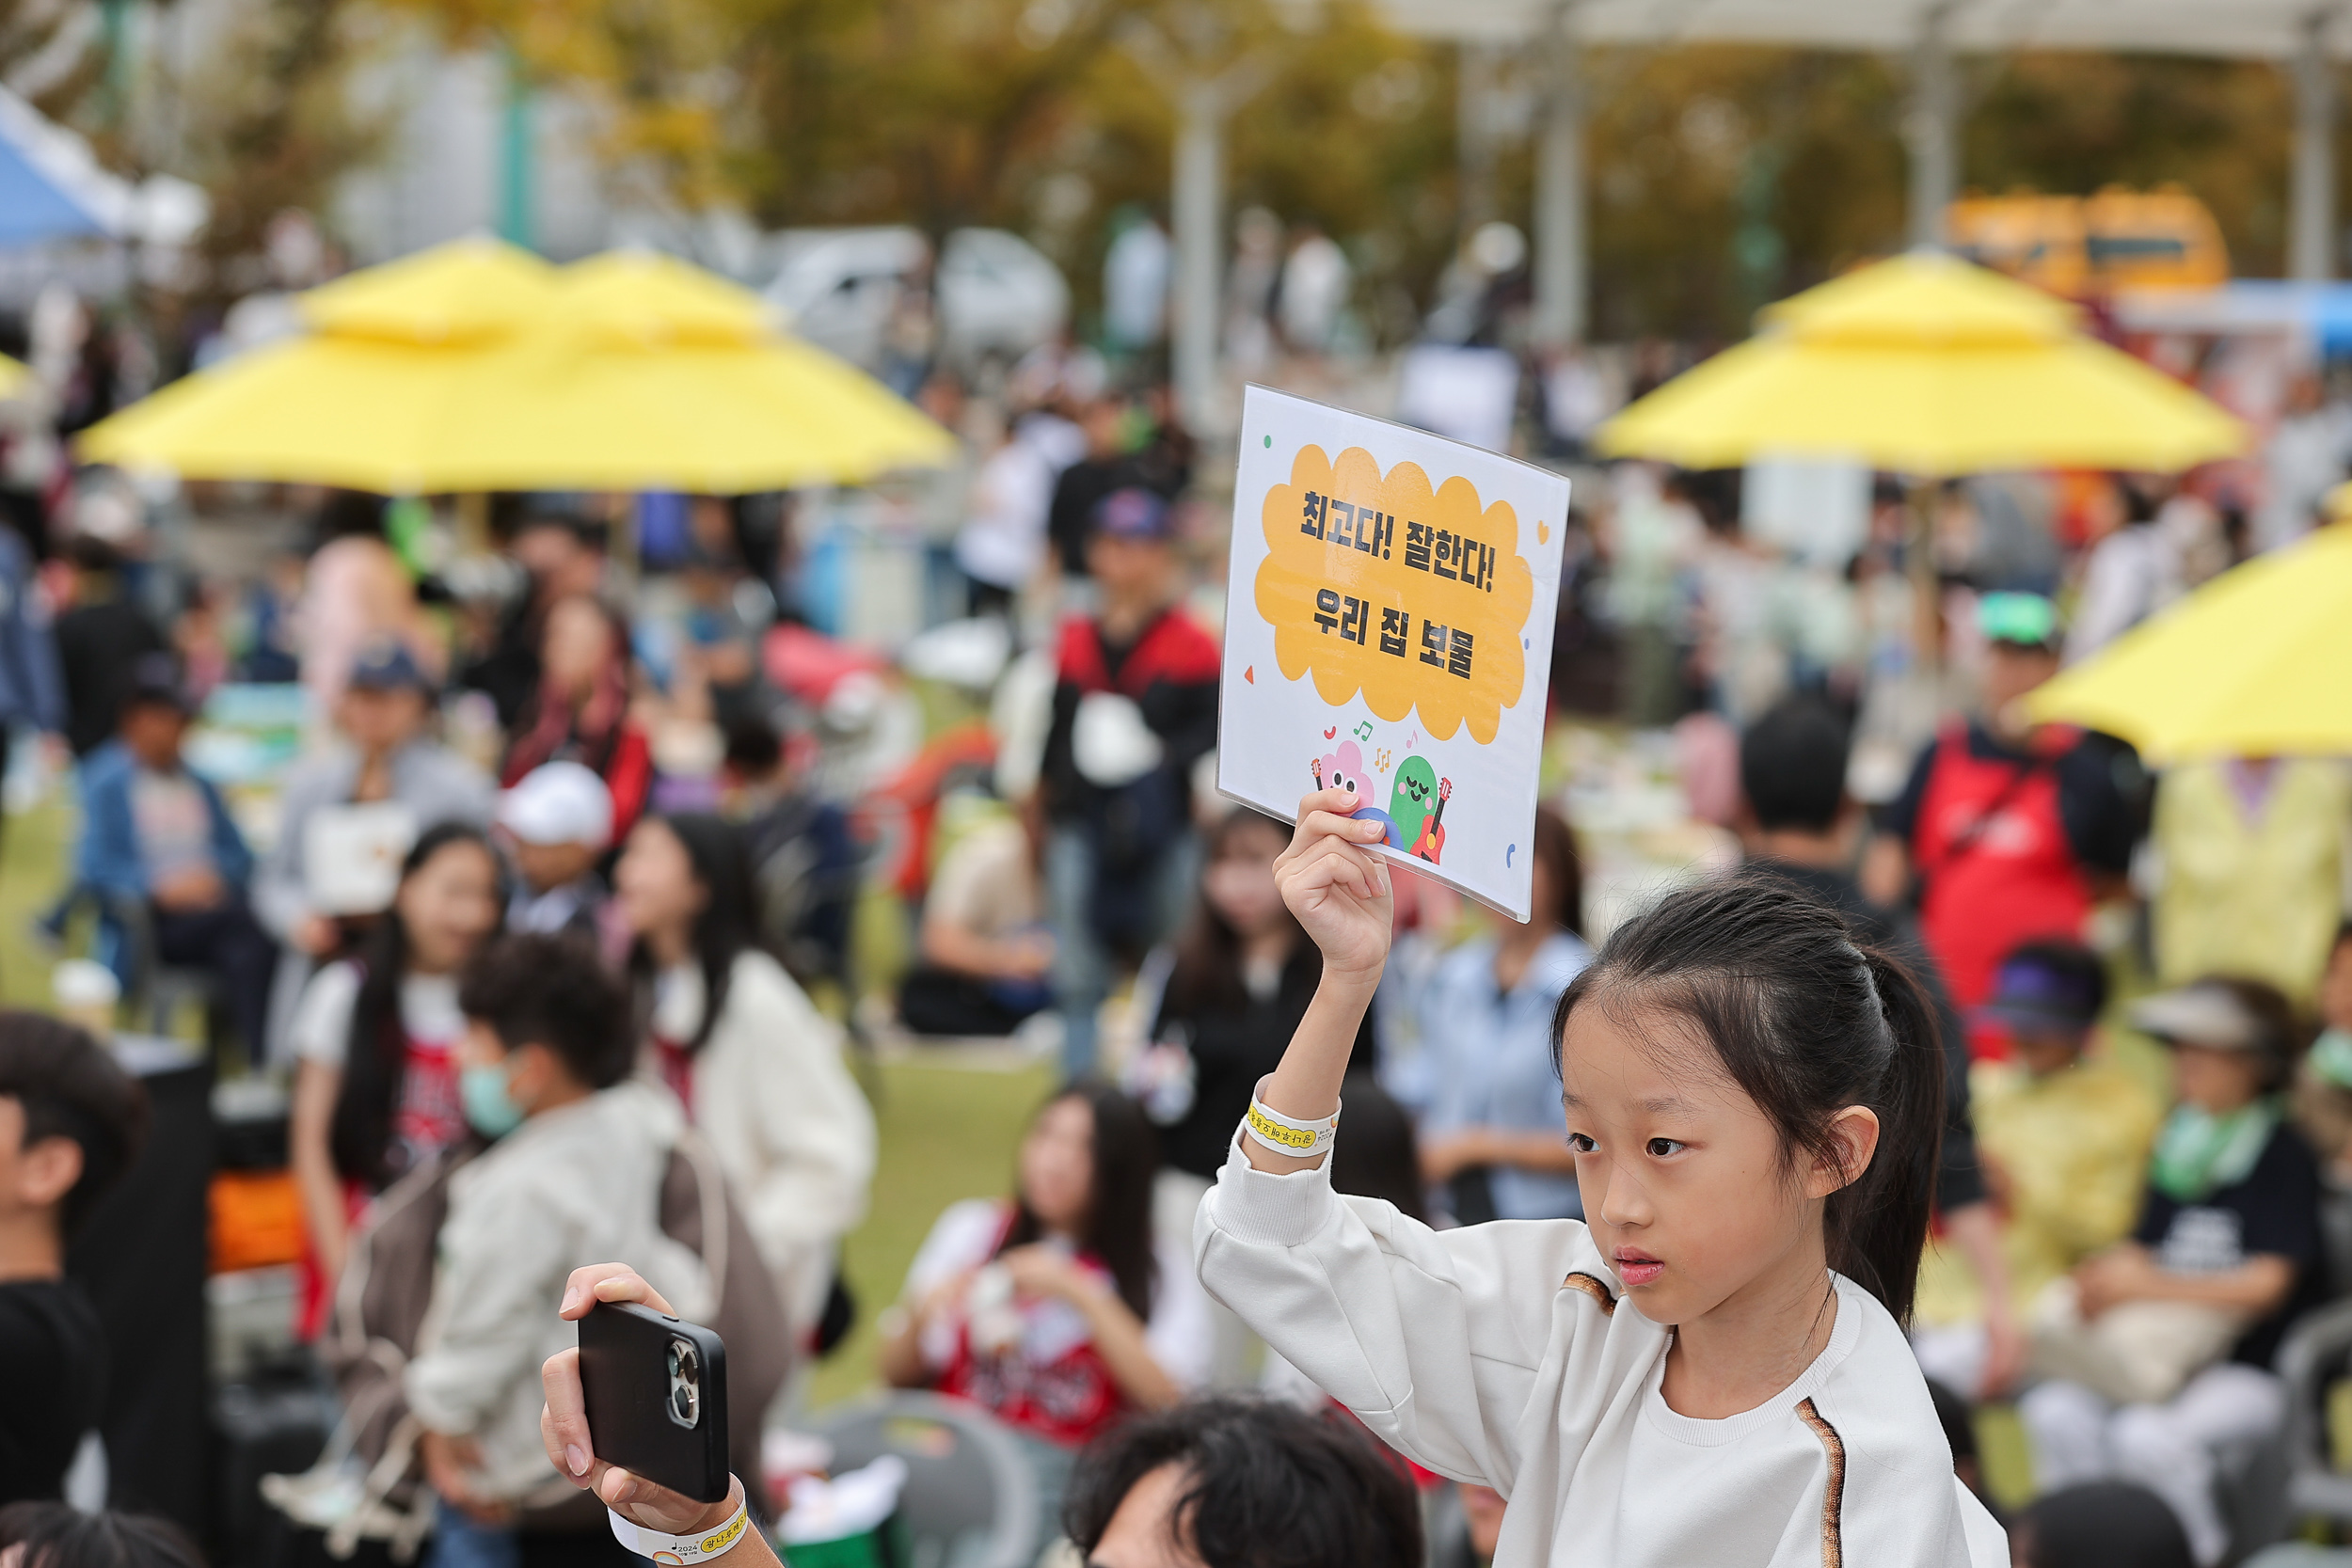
x: 1135, y: 707
x: 581, y: 712
x: 2008, y: 831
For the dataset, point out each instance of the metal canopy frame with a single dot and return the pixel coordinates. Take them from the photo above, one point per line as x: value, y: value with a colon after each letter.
x: 2307, y: 37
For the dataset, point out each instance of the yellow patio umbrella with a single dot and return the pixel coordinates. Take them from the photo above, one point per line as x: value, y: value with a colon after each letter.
x: 2251, y: 664
x: 649, y: 373
x: 621, y: 372
x: 370, y: 397
x: 1928, y: 366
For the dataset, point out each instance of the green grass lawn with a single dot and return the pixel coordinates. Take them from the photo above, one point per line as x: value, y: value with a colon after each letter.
x: 948, y: 1132
x: 33, y: 854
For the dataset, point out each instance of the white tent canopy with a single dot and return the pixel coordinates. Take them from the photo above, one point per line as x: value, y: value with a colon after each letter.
x: 2307, y: 35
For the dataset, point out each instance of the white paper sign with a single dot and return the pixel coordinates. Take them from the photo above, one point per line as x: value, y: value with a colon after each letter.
x: 351, y: 856
x: 1388, y: 623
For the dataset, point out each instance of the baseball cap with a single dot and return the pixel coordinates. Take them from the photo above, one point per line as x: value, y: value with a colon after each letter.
x: 558, y: 802
x: 2036, y: 988
x: 156, y: 681
x: 1133, y: 512
x: 2203, y: 1013
x: 384, y: 664
x: 2027, y: 620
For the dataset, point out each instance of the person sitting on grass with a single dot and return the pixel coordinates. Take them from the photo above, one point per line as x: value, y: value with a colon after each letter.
x: 72, y: 1121
x: 986, y: 950
x: 156, y: 832
x: 578, y: 1151
x: 1054, y: 1311
x: 2228, y: 1240
x: 2064, y: 1140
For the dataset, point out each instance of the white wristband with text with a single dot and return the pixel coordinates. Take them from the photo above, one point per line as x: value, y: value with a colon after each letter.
x: 1300, y: 1140
x: 683, y: 1548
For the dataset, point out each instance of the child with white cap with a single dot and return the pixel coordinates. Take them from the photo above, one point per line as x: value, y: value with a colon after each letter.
x: 556, y: 823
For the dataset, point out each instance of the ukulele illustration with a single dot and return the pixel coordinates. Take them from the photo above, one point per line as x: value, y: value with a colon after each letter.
x: 1430, y: 846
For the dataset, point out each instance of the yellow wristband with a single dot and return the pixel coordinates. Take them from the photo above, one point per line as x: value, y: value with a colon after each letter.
x: 681, y: 1549
x: 1300, y: 1140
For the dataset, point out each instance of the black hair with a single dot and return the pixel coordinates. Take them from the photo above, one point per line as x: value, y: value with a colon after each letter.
x: 2343, y: 935
x: 2103, y: 1524
x: 754, y: 748
x: 1792, y: 767
x: 1266, y: 1485
x: 728, y: 922
x: 1807, y: 1019
x: 1958, y: 1421
x: 58, y: 1535
x: 1118, y: 1225
x: 1207, y: 974
x: 89, y: 553
x: 1375, y: 1154
x: 374, y: 1054
x: 70, y: 1086
x: 536, y: 989
x: 1554, y: 846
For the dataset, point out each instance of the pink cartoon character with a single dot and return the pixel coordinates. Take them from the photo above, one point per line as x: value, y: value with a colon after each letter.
x: 1345, y: 769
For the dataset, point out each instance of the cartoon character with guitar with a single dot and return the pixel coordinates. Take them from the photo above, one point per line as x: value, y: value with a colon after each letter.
x: 1415, y: 818
x: 1417, y: 806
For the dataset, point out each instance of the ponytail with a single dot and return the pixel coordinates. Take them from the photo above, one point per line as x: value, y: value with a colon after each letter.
x: 1807, y: 1021
x: 1877, y: 1224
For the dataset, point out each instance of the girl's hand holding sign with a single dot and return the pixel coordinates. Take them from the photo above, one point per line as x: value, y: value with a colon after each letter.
x: 1340, y: 891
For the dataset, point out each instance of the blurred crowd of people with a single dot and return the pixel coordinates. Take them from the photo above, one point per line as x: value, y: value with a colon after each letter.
x: 559, y: 930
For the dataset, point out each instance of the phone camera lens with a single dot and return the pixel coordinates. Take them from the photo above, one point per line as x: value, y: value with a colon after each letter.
x: 683, y: 1398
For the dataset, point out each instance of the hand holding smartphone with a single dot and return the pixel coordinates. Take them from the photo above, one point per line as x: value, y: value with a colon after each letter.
x: 655, y: 1390
x: 698, y: 1529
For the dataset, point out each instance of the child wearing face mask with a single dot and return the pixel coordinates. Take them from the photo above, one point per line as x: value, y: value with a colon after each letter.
x: 1710, y: 1365
x: 574, y: 1172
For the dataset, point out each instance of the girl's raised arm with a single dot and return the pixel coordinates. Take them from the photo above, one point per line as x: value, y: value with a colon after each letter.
x: 1338, y: 890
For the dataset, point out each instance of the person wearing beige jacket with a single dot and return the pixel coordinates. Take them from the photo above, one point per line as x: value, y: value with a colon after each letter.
x: 757, y: 1068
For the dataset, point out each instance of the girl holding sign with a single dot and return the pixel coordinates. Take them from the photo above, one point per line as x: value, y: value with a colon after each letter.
x: 1708, y: 1368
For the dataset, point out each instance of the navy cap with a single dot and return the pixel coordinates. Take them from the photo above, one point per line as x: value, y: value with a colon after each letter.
x: 384, y: 664
x: 2029, y: 991
x: 156, y: 683
x: 1133, y: 512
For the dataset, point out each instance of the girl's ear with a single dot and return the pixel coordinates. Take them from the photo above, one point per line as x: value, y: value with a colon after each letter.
x: 1853, y: 1139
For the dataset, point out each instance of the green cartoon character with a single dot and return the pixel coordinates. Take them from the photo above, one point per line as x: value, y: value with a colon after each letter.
x: 1416, y: 804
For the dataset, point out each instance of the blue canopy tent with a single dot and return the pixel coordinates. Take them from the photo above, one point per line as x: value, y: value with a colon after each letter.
x: 33, y: 209
x: 51, y: 186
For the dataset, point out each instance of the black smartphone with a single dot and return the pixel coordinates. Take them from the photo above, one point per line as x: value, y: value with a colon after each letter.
x: 656, y: 1391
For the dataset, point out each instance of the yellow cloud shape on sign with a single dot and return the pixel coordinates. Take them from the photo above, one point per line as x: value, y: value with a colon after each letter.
x: 1379, y: 585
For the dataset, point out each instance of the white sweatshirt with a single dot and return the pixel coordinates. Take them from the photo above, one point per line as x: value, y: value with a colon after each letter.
x: 792, y: 1130
x: 1498, y: 1353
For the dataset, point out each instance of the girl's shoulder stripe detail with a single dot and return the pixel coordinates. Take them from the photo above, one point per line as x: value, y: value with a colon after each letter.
x: 1833, y: 1491
x: 1593, y: 1287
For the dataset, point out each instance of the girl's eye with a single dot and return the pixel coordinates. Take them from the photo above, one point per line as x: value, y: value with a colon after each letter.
x: 1660, y: 1147
x: 1579, y: 1144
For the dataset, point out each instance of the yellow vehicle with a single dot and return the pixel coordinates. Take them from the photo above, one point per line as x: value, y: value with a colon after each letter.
x: 2121, y: 237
